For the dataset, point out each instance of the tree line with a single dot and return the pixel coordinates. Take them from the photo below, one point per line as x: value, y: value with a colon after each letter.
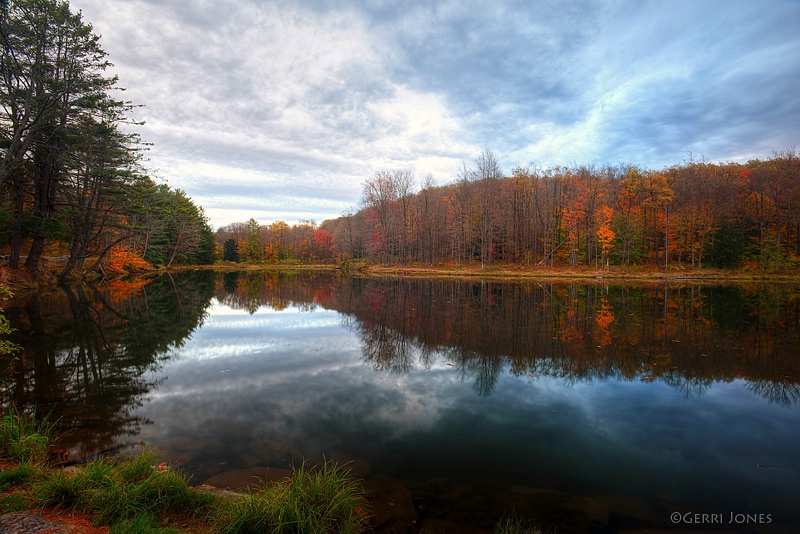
x: 251, y: 242
x: 71, y: 181
x: 695, y: 214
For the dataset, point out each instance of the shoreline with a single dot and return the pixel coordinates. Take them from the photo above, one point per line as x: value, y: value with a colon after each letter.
x: 20, y: 281
x: 628, y: 274
x: 506, y: 272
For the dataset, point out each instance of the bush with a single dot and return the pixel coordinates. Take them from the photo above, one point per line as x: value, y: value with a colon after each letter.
x: 6, y: 346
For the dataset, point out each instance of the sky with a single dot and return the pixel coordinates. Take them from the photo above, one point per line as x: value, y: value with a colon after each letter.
x: 281, y: 110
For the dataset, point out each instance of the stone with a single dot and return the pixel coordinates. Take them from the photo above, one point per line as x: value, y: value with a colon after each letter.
x: 252, y: 478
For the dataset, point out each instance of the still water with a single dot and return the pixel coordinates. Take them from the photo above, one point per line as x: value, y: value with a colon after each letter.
x: 589, y: 406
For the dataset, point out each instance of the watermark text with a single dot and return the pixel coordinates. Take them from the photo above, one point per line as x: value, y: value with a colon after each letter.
x: 722, y: 518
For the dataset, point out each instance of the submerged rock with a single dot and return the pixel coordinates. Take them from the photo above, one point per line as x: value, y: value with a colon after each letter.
x: 252, y: 478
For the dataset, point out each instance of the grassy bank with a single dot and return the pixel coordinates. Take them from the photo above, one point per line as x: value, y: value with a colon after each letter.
x: 139, y: 494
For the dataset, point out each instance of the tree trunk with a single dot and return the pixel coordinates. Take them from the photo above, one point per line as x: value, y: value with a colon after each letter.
x: 17, y: 229
x: 35, y: 255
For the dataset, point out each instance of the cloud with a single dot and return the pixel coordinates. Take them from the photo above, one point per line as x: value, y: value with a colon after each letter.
x: 312, y: 98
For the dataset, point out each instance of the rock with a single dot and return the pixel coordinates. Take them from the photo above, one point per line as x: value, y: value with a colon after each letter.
x: 253, y: 478
x: 31, y: 523
x: 358, y: 467
x: 525, y: 499
x: 392, y: 506
x: 592, y: 509
x: 631, y: 508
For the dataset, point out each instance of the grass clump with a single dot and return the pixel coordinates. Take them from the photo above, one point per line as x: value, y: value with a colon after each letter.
x: 511, y: 524
x: 21, y: 474
x: 314, y: 500
x: 23, y: 439
x: 15, y: 502
x: 116, y: 493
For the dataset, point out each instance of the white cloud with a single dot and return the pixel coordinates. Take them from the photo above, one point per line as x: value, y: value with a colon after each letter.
x: 314, y: 98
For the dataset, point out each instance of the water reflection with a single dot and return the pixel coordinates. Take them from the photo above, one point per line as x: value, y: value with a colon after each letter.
x: 688, y: 337
x: 89, y: 353
x: 582, y: 405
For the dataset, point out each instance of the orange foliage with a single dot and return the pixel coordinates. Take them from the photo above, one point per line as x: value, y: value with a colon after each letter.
x: 122, y: 260
x: 603, y: 319
x: 119, y: 290
x: 605, y: 235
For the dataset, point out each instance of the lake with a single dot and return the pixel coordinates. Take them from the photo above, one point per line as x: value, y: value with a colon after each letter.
x: 589, y: 406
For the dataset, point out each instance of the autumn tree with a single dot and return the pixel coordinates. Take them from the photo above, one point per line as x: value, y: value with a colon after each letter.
x: 690, y: 213
x: 386, y: 196
x: 605, y: 234
x: 55, y: 95
x: 487, y: 173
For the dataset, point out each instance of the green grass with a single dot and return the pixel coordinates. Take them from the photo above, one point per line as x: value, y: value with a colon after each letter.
x: 511, y: 524
x: 23, y: 439
x: 16, y: 502
x: 118, y: 492
x: 314, y: 500
x: 133, y: 493
x: 22, y: 474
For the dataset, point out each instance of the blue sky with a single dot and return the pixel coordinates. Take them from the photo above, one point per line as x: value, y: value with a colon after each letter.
x: 280, y: 110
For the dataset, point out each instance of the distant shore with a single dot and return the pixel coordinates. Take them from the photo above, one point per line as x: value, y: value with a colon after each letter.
x: 522, y: 273
x: 516, y: 273
x: 20, y: 280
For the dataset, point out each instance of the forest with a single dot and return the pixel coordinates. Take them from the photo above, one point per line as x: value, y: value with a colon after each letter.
x: 692, y: 215
x: 75, y: 197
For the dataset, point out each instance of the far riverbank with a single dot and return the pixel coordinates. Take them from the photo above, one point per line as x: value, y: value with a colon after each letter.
x: 21, y: 281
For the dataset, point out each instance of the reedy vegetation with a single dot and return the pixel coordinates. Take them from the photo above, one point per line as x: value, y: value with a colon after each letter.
x: 23, y: 439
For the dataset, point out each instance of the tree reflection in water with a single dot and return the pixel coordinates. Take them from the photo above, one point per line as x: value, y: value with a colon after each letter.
x: 687, y: 336
x: 90, y: 354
